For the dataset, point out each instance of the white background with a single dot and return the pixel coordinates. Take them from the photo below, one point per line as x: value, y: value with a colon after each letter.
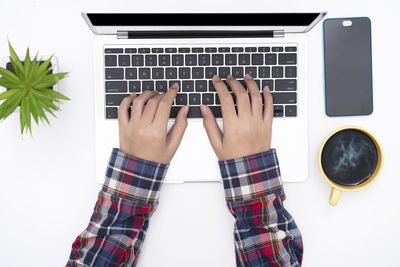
x: 47, y: 183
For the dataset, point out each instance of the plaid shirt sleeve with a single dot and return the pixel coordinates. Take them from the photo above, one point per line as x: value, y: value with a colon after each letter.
x: 265, y: 233
x: 121, y: 215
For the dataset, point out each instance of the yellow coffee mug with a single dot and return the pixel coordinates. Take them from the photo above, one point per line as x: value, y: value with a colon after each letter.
x: 338, y: 188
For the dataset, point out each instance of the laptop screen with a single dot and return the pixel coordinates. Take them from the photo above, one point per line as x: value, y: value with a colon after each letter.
x: 202, y: 19
x: 111, y: 23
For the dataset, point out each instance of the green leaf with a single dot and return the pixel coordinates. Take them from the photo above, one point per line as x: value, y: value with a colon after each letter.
x: 10, y: 84
x: 54, y: 94
x: 43, y: 69
x: 49, y: 80
x: 27, y: 65
x: 16, y: 63
x: 34, y: 107
x: 8, y: 93
x: 8, y: 75
x: 8, y: 106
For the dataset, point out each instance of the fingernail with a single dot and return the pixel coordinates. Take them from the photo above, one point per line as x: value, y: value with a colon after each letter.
x: 175, y: 85
x: 266, y: 88
x: 186, y: 110
x: 203, y: 110
x: 248, y: 76
x: 216, y: 78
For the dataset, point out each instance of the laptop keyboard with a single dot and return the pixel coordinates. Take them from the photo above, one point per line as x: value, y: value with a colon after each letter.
x: 134, y: 70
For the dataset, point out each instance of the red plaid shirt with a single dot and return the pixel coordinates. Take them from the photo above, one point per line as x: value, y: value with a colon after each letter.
x: 265, y: 233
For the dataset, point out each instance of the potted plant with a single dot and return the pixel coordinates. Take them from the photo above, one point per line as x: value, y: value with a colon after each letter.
x: 29, y: 85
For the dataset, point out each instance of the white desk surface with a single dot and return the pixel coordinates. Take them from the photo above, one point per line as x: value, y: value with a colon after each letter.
x: 47, y: 183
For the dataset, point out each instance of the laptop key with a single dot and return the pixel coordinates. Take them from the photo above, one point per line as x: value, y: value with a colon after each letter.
x: 258, y: 82
x: 285, y: 85
x: 174, y: 112
x: 124, y: 60
x: 184, y: 73
x: 157, y: 50
x: 116, y: 87
x: 264, y: 49
x: 130, y: 50
x: 201, y: 86
x: 250, y: 49
x: 181, y: 99
x: 114, y: 99
x: 211, y: 87
x: 113, y: 50
x: 211, y: 49
x: 217, y: 101
x: 290, y: 71
x: 164, y: 60
x: 277, y: 49
x: 187, y: 86
x: 223, y: 71
x: 190, y: 60
x: 244, y: 59
x: 269, y: 83
x: 161, y: 86
x: 151, y: 60
x: 207, y: 99
x: 287, y: 59
x: 217, y: 59
x: 252, y: 71
x: 171, y: 73
x: 134, y: 86
x: 144, y: 50
x: 111, y: 112
x: 230, y: 59
x: 144, y: 73
x: 210, y: 72
x: 148, y: 85
x: 177, y: 60
x: 194, y: 112
x: 290, y: 49
x: 278, y: 111
x: 197, y: 50
x: 184, y: 50
x: 157, y: 73
x: 197, y: 73
x: 114, y: 73
x: 257, y: 59
x: 290, y: 111
x: 137, y: 60
x: 277, y: 72
x: 217, y: 111
x: 194, y: 99
x: 130, y: 73
x: 224, y: 49
x: 237, y: 72
x: 284, y: 98
x: 171, y: 50
x: 204, y: 60
x: 110, y: 60
x: 270, y: 59
x: 170, y: 83
x: 263, y: 72
x: 237, y: 49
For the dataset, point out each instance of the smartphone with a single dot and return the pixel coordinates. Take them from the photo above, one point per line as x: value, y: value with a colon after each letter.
x: 348, y: 66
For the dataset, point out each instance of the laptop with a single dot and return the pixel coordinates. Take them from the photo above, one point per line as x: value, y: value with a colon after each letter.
x: 150, y: 51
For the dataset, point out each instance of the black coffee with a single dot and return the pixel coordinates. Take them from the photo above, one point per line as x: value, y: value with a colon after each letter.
x: 349, y: 157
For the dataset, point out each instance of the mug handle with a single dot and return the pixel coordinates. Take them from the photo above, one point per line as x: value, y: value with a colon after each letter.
x: 334, y: 196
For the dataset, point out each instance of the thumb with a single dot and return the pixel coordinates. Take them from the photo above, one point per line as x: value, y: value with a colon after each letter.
x: 211, y: 126
x: 176, y: 133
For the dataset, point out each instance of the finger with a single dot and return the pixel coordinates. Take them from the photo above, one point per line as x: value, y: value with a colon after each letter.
x: 256, y: 99
x: 138, y: 103
x: 242, y: 97
x: 164, y: 107
x: 212, y: 129
x: 268, y: 105
x: 176, y: 133
x: 227, y: 106
x: 123, y: 116
x: 150, y: 109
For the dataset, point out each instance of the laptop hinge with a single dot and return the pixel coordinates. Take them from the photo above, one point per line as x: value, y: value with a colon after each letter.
x: 199, y: 34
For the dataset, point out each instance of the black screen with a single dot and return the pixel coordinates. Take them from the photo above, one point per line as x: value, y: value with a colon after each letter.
x: 348, y: 67
x: 202, y: 19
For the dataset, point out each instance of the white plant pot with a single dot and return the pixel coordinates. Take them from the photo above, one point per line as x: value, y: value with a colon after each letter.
x: 54, y: 64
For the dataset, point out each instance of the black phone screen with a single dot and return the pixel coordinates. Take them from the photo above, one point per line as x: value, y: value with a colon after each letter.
x: 348, y: 66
